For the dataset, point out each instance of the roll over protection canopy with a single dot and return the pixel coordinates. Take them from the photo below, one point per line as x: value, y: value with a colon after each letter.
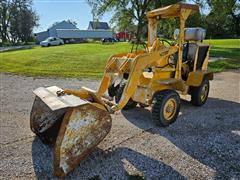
x: 172, y: 10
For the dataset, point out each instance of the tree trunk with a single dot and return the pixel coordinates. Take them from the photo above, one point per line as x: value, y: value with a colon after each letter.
x: 139, y: 31
x: 4, y: 29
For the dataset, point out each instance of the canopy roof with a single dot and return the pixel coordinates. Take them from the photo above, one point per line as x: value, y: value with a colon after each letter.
x: 172, y: 10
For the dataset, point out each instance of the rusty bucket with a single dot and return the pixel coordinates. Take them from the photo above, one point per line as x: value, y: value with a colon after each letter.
x: 72, y: 125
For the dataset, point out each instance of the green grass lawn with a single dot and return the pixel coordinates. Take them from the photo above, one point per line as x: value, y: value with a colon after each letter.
x: 222, y: 65
x: 89, y: 59
x: 227, y: 48
x: 74, y: 60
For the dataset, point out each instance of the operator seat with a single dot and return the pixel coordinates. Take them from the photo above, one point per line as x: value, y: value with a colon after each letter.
x: 195, y: 35
x: 189, y: 51
x: 202, y: 53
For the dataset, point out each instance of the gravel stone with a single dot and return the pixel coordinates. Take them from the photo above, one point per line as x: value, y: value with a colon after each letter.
x: 204, y: 142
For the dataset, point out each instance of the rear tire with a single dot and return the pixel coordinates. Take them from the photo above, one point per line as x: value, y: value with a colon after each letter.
x: 165, y: 107
x: 131, y: 104
x: 199, y: 94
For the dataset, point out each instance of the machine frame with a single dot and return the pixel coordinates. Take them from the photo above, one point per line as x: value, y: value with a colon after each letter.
x: 76, y: 121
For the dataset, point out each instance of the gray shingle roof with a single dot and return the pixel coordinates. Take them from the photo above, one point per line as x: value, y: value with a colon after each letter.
x: 70, y: 25
x: 98, y: 25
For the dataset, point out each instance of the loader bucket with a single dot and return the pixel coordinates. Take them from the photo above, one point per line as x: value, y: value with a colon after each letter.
x: 73, y: 125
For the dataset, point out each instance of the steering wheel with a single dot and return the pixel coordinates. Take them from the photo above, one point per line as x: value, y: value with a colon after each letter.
x: 137, y: 44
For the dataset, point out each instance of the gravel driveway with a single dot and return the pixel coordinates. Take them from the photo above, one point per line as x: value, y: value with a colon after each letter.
x: 204, y: 143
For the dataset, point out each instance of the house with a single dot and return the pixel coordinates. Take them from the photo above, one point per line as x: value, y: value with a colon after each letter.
x: 70, y: 33
x: 52, y: 31
x: 41, y: 36
x: 62, y: 25
x: 79, y: 35
x: 98, y: 25
x: 123, y: 36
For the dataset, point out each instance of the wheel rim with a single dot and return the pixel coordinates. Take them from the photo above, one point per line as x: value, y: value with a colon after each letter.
x: 170, y: 109
x: 204, y: 92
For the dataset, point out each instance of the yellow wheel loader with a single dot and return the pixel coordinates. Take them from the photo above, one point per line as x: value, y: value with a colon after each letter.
x: 76, y: 121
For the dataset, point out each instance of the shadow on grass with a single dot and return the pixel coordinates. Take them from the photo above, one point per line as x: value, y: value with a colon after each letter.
x: 232, y: 53
x: 222, y: 65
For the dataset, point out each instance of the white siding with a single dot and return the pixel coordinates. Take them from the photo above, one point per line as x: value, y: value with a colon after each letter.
x: 62, y: 25
x: 42, y: 36
x: 83, y: 34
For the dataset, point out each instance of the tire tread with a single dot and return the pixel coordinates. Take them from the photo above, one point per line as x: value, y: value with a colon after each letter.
x: 158, y: 103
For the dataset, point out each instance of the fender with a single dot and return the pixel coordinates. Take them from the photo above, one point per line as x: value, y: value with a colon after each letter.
x: 195, y: 78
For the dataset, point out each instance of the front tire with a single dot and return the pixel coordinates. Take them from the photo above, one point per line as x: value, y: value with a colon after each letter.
x: 199, y: 94
x: 165, y: 107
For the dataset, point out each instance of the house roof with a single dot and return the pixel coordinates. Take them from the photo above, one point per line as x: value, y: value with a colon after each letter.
x: 63, y: 22
x: 172, y: 10
x: 99, y: 25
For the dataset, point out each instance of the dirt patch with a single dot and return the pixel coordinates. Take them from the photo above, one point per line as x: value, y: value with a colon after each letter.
x: 203, y: 143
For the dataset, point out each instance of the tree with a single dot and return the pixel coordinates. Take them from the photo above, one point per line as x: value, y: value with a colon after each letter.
x: 123, y: 22
x: 72, y: 22
x: 224, y: 18
x: 4, y: 19
x: 94, y: 7
x: 129, y: 12
x: 17, y: 20
x: 166, y: 27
